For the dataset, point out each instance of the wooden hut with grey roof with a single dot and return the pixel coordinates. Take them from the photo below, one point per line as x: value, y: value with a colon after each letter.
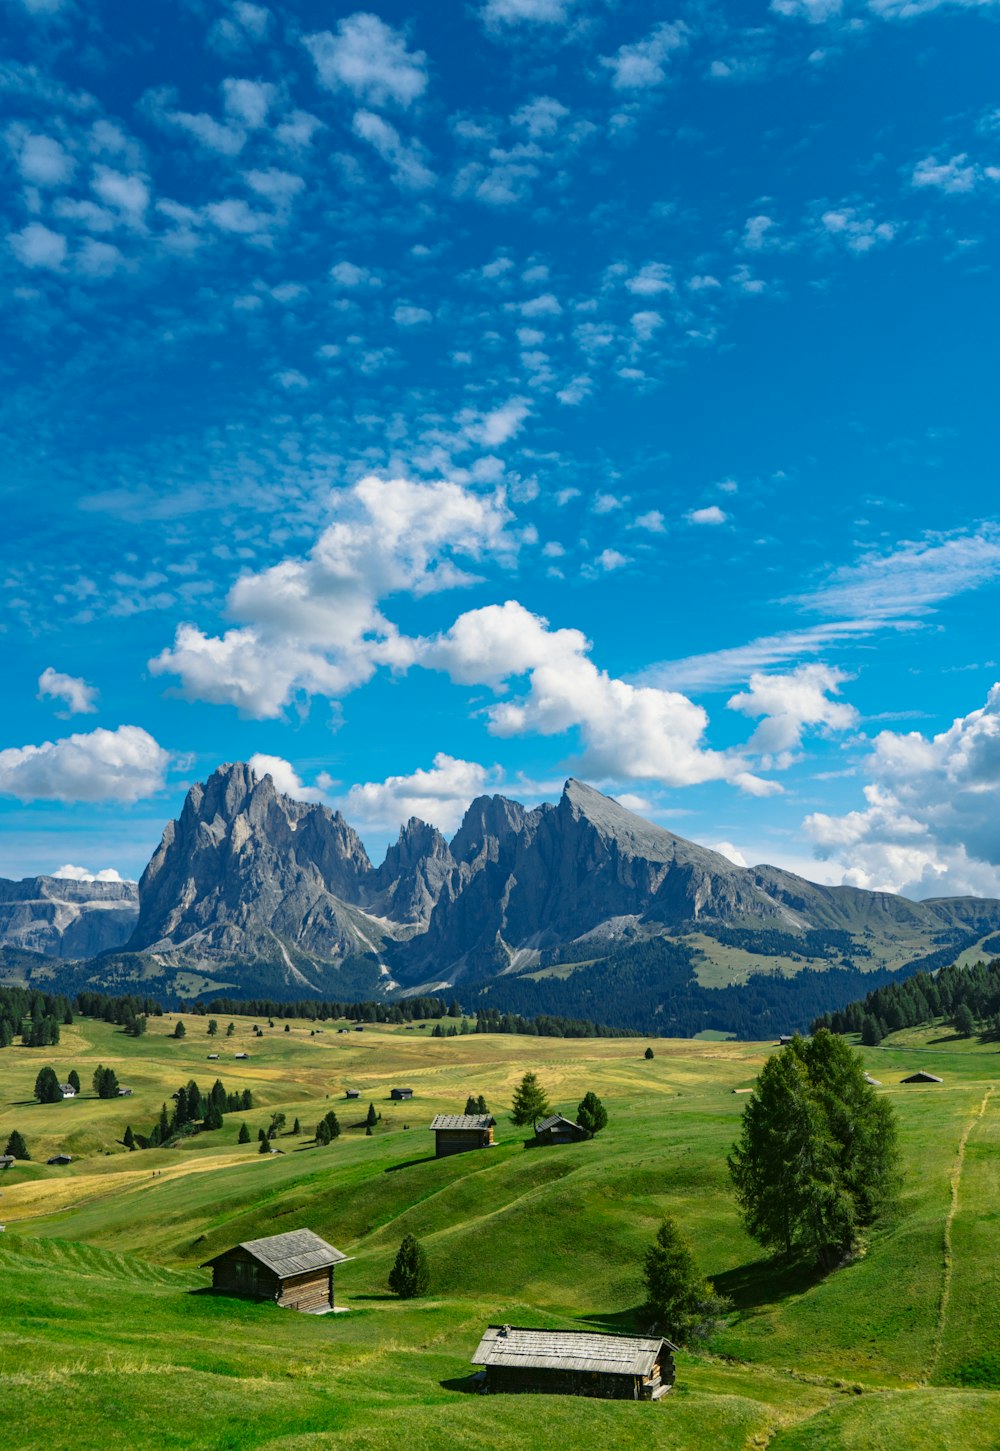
x: 454, y: 1133
x: 294, y: 1270
x: 577, y: 1363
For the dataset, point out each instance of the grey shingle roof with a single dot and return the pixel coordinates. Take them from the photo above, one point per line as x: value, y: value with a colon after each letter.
x: 514, y: 1346
x: 290, y: 1254
x: 463, y: 1121
x: 553, y: 1121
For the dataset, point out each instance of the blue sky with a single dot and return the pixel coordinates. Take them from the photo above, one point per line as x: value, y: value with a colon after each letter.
x: 431, y: 400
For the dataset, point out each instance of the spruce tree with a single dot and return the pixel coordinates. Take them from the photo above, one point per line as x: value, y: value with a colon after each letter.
x: 74, y: 1079
x: 296, y: 1127
x: 322, y: 1134
x: 47, y: 1088
x: 180, y: 1031
x: 372, y: 1118
x: 244, y: 1135
x: 409, y: 1275
x: 129, y: 1138
x: 681, y: 1303
x: 530, y: 1101
x: 16, y: 1146
x: 965, y: 1023
x: 591, y: 1114
x: 333, y: 1124
x: 230, y: 1030
x: 213, y: 1027
x: 648, y: 1053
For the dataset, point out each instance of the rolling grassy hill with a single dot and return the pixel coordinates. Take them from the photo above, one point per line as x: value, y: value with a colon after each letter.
x: 107, y: 1339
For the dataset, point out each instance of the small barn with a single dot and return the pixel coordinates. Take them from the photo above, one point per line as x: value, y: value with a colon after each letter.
x: 575, y: 1363
x: 456, y: 1133
x: 558, y: 1130
x: 352, y: 1093
x: 294, y: 1270
x: 874, y: 1082
x: 921, y: 1076
x: 241, y: 1055
x: 400, y: 1093
x: 6, y: 1160
x: 124, y: 1092
x: 60, y: 1159
x: 67, y: 1090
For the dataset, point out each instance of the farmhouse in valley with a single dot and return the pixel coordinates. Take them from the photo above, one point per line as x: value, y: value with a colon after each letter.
x: 294, y: 1270
x: 401, y: 1093
x: 578, y: 1363
x: 455, y: 1133
x: 921, y: 1076
x: 67, y: 1090
x: 558, y: 1130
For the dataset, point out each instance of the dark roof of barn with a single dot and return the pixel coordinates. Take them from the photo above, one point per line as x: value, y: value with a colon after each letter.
x: 463, y: 1121
x: 922, y: 1076
x: 522, y: 1349
x: 293, y: 1253
x: 553, y: 1122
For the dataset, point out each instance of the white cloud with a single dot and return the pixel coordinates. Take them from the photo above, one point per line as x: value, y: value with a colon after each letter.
x: 350, y: 275
x: 646, y: 324
x: 710, y: 515
x: 730, y: 852
x: 643, y: 64
x: 855, y: 229
x: 627, y: 731
x: 541, y: 118
x: 284, y: 775
x: 789, y: 704
x: 956, y: 177
x: 37, y: 246
x: 930, y: 826
x: 246, y: 102
x: 41, y: 160
x: 651, y: 280
x: 406, y: 315
x: 910, y: 579
x: 126, y: 192
x: 312, y: 624
x: 70, y: 873
x: 652, y: 521
x: 78, y: 697
x: 496, y: 427
x: 439, y: 795
x: 370, y: 59
x: 610, y: 559
x: 121, y: 765
x: 498, y: 13
x: 406, y: 160
x: 734, y: 665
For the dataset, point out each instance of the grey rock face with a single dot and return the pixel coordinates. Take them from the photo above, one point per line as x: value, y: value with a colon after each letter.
x: 64, y: 918
x: 417, y: 870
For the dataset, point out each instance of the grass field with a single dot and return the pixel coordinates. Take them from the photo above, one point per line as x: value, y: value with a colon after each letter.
x: 108, y: 1340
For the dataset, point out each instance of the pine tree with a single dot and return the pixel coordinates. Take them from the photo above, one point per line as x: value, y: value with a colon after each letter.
x: 530, y: 1101
x: 213, y: 1118
x: 16, y: 1146
x: 47, y: 1088
x: 591, y: 1114
x: 648, y: 1053
x: 129, y: 1138
x: 296, y: 1127
x: 965, y: 1023
x: 74, y: 1079
x: 333, y: 1125
x: 180, y: 1031
x: 322, y: 1134
x: 871, y: 1033
x: 244, y: 1135
x: 265, y: 1144
x: 230, y: 1030
x: 409, y: 1275
x: 681, y: 1303
x: 372, y: 1118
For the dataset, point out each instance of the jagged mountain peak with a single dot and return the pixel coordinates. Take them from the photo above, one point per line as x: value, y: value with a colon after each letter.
x: 488, y: 822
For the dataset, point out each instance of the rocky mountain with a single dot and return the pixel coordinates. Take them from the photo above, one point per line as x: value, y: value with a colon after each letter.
x: 61, y: 917
x: 260, y: 894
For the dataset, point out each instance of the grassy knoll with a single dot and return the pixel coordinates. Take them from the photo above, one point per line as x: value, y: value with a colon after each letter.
x: 102, y: 1307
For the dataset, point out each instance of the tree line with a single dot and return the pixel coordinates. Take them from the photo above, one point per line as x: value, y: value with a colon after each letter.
x: 967, y: 996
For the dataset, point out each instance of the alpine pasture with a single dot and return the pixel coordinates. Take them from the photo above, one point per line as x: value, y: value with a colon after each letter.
x: 108, y: 1337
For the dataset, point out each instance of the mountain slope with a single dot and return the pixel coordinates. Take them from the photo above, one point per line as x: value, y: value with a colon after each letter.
x: 65, y: 918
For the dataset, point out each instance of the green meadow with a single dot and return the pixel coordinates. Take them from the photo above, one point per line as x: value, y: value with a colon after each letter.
x: 108, y: 1338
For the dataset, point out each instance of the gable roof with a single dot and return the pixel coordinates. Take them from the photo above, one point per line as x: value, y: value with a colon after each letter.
x: 288, y: 1254
x: 553, y: 1121
x: 524, y: 1349
x: 922, y: 1076
x: 463, y: 1121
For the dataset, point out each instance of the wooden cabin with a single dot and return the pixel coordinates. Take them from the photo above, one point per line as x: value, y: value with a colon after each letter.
x: 400, y: 1093
x: 922, y: 1076
x: 352, y: 1093
x: 456, y: 1133
x: 558, y: 1130
x: 295, y: 1270
x: 67, y: 1090
x: 575, y: 1363
x: 874, y: 1082
x: 6, y: 1160
x: 60, y: 1159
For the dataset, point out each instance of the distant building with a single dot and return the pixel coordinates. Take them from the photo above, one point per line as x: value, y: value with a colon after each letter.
x: 352, y: 1093
x: 614, y: 1367
x: 67, y: 1090
x: 60, y: 1159
x: 456, y: 1133
x: 6, y: 1160
x: 784, y: 1040
x: 241, y: 1055
x: 875, y: 1082
x: 124, y: 1092
x: 295, y: 1270
x: 922, y: 1077
x: 212, y: 1057
x: 558, y: 1130
x: 400, y: 1093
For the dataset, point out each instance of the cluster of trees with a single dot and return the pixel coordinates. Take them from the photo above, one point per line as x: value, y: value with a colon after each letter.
x: 105, y: 1082
x: 967, y: 996
x: 44, y: 1012
x: 770, y: 942
x: 476, y: 1103
x: 323, y: 1010
x: 328, y: 1128
x: 544, y: 1025
x: 48, y: 1089
x: 119, y: 1010
x: 531, y: 1102
x: 817, y: 1160
x: 192, y: 1109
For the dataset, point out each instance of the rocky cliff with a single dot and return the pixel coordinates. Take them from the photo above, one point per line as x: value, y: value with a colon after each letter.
x: 65, y: 918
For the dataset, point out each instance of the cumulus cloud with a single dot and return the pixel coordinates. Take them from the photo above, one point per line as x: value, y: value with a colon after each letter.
x: 643, y: 64
x: 789, y: 704
x: 930, y: 826
x: 121, y: 765
x: 627, y: 731
x: 500, y: 13
x: 710, y: 515
x: 42, y: 160
x: 958, y: 176
x: 313, y: 624
x: 439, y: 795
x: 366, y: 57
x: 70, y: 873
x: 77, y: 696
x: 406, y: 160
x: 284, y: 775
x: 856, y: 229
x: 38, y: 246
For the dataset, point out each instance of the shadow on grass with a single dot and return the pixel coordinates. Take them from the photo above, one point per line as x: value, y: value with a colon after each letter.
x: 374, y: 1297
x: 465, y: 1385
x: 409, y: 1164
x: 951, y: 1038
x: 764, y: 1282
x: 621, y: 1322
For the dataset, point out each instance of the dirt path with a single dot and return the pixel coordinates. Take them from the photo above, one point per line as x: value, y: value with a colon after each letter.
x: 949, y: 1259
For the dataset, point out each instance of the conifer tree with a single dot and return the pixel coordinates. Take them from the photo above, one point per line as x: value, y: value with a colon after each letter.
x: 47, y: 1088
x: 129, y: 1138
x: 591, y: 1114
x: 530, y: 1101
x: 74, y: 1079
x: 648, y: 1053
x: 244, y: 1135
x: 322, y: 1134
x: 180, y: 1031
x: 16, y: 1146
x: 296, y: 1127
x: 372, y: 1118
x: 409, y: 1275
x: 681, y: 1303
